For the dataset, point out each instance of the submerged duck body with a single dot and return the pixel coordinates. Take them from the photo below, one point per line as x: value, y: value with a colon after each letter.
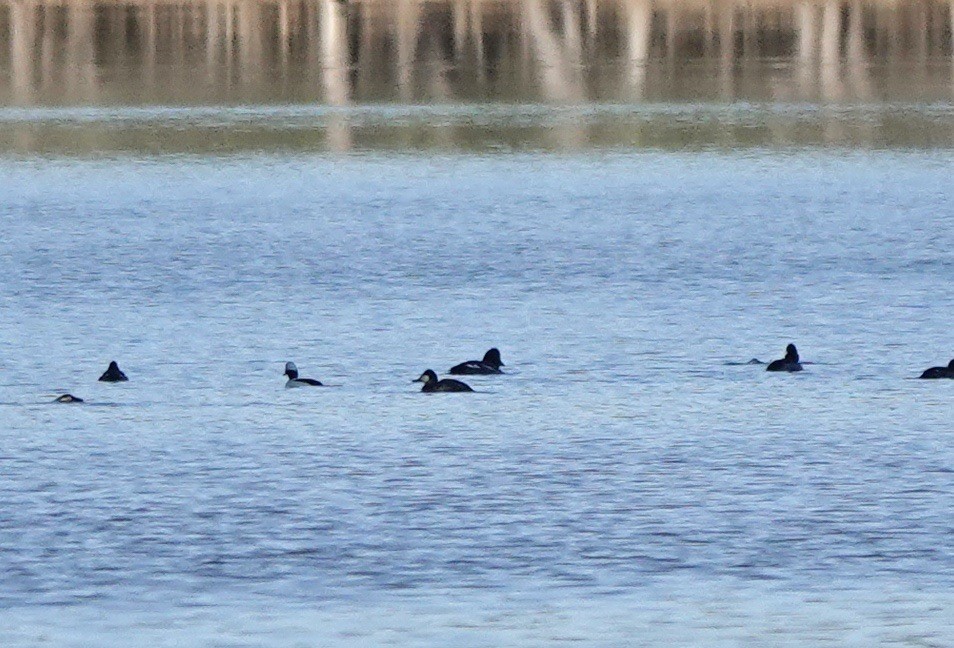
x: 491, y: 364
x: 113, y: 374
x: 940, y: 372
x: 68, y: 398
x: 294, y: 381
x: 432, y: 384
x: 789, y: 363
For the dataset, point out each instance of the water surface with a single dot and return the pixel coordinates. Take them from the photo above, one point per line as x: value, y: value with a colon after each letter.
x: 623, y: 462
x: 627, y: 481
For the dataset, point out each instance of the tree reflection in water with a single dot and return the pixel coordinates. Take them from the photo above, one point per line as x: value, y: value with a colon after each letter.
x: 409, y: 51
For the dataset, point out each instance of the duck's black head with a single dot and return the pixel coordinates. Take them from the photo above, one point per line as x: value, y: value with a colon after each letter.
x: 791, y: 353
x: 113, y: 366
x: 950, y: 365
x: 291, y: 371
x: 427, y: 377
x: 492, y: 358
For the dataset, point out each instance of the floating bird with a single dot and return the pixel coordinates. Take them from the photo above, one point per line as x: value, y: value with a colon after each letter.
x: 491, y: 364
x: 788, y: 363
x: 113, y: 374
x: 940, y: 372
x: 294, y: 381
x: 432, y: 384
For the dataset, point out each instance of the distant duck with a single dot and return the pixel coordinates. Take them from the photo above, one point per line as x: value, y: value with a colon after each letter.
x: 432, y: 384
x: 113, y: 374
x: 491, y: 364
x: 68, y: 398
x: 788, y: 363
x: 940, y: 372
x: 294, y: 381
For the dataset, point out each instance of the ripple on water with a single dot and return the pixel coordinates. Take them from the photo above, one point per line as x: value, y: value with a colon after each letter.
x: 623, y: 476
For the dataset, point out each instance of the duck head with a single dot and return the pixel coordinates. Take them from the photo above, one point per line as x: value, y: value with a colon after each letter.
x: 291, y: 371
x: 492, y: 358
x: 426, y: 377
x: 791, y: 353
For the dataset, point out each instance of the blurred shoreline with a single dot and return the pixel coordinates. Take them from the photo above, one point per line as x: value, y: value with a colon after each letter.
x: 150, y: 52
x: 473, y: 75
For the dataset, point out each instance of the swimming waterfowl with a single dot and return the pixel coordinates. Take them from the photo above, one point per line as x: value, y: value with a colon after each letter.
x: 113, y: 374
x: 68, y: 398
x: 294, y: 381
x: 432, y: 384
x: 491, y: 364
x: 788, y: 363
x: 940, y: 372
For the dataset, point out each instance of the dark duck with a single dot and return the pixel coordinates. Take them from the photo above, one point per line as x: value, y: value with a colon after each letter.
x: 789, y: 363
x: 940, y: 372
x: 294, y: 381
x: 432, y: 384
x: 491, y: 364
x: 113, y: 374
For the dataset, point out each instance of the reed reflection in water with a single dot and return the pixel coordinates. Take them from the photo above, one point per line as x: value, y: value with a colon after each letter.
x: 409, y: 51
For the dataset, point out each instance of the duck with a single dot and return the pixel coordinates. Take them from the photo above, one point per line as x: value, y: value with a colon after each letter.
x: 940, y: 372
x: 113, y: 374
x: 294, y: 381
x: 68, y: 398
x: 788, y: 363
x: 432, y: 384
x: 491, y: 364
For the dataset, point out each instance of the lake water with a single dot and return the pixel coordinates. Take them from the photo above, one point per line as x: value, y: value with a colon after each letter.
x: 628, y: 482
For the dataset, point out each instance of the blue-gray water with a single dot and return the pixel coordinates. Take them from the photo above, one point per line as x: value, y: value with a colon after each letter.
x: 623, y: 484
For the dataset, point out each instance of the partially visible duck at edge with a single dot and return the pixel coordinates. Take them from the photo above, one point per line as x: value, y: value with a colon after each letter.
x: 113, y: 374
x: 68, y: 398
x: 294, y: 381
x: 940, y: 372
x: 491, y: 364
x: 432, y: 384
x: 789, y: 363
